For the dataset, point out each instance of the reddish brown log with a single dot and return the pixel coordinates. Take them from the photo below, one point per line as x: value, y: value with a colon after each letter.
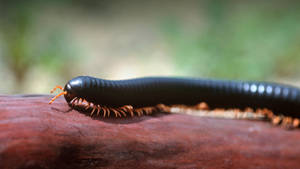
x: 34, y: 134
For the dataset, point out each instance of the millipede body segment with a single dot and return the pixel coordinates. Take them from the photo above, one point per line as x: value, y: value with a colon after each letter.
x: 145, y: 95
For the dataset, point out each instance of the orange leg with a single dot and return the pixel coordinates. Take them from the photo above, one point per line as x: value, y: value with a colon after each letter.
x: 79, y: 101
x: 108, y: 112
x: 128, y: 108
x: 131, y: 112
x: 104, y: 112
x: 116, y: 112
x: 123, y: 112
x: 94, y: 108
x: 138, y: 111
x: 73, y: 101
x: 88, y: 105
x: 98, y: 110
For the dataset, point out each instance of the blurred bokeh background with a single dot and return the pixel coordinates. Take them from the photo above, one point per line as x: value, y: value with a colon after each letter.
x: 46, y: 43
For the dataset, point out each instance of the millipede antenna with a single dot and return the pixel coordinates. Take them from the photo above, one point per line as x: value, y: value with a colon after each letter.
x: 56, y: 87
x: 55, y: 97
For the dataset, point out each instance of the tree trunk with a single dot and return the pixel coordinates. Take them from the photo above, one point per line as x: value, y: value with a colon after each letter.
x: 34, y: 134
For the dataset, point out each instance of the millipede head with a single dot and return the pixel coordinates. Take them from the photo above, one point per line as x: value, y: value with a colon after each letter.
x: 71, y: 90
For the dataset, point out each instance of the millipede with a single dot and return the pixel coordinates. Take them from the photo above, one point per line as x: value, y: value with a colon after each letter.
x: 152, y: 94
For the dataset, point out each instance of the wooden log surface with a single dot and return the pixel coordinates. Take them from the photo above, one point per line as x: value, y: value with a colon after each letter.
x: 34, y: 134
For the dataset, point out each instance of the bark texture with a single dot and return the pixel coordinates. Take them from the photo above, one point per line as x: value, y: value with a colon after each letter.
x: 34, y: 134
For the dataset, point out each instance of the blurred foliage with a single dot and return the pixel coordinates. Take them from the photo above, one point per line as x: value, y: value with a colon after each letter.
x: 229, y: 39
x: 252, y: 41
x: 25, y: 47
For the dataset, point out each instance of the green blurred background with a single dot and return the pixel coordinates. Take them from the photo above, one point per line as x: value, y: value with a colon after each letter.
x: 46, y: 43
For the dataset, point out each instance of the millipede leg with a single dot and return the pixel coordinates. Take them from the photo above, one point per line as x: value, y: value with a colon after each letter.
x: 116, y: 112
x: 108, y: 112
x: 296, y: 122
x: 104, y: 112
x: 148, y: 110
x: 276, y: 120
x: 129, y: 109
x: 74, y: 101
x: 122, y: 111
x: 131, y: 112
x: 139, y: 112
x: 88, y: 105
x: 98, y: 110
x: 119, y: 111
x: 94, y: 108
x: 80, y: 101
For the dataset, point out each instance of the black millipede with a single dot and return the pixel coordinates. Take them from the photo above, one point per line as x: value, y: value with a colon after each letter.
x: 149, y: 94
